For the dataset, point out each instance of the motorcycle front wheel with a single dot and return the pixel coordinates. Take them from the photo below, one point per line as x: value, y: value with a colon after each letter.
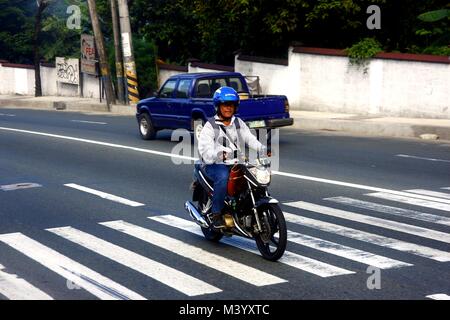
x: 272, y: 241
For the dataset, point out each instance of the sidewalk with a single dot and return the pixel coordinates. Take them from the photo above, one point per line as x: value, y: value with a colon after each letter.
x: 64, y: 103
x: 421, y: 128
x: 305, y: 120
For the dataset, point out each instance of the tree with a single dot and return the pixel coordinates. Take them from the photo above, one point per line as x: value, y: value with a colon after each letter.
x: 41, y: 6
x: 16, y: 32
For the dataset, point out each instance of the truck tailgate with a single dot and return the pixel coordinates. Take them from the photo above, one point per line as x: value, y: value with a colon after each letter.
x: 262, y: 107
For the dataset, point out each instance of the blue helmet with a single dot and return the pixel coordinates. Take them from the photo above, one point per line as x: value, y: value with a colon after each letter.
x: 225, y: 94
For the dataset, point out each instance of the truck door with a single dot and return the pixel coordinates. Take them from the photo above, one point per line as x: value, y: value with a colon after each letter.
x: 181, y: 104
x: 162, y: 112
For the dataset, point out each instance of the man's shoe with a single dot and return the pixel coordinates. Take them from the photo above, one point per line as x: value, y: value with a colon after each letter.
x: 217, y: 221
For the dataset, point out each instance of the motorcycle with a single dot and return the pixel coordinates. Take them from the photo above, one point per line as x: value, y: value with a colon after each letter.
x: 249, y: 211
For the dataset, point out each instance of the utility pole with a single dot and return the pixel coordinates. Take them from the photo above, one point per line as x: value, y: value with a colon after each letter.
x: 100, y: 42
x: 127, y: 46
x: 118, y: 50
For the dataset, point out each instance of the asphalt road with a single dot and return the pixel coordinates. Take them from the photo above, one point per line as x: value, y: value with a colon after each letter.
x: 346, y: 200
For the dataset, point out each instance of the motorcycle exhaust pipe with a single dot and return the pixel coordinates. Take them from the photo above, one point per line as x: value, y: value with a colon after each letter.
x: 198, y: 218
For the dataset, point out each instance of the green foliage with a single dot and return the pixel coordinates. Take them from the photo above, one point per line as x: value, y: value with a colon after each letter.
x: 145, y: 53
x: 436, y: 15
x: 441, y: 51
x: 360, y: 53
x: 435, y: 31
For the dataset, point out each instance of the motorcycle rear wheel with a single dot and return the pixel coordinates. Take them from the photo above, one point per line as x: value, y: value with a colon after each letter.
x: 274, y: 248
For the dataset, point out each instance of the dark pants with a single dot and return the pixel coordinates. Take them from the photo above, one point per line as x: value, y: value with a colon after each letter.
x: 219, y: 174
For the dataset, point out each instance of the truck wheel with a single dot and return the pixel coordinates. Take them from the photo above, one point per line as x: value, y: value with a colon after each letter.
x: 198, y: 126
x: 146, y: 128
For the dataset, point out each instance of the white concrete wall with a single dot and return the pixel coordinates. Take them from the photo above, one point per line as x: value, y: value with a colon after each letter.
x: 269, y: 75
x: 329, y: 83
x: 199, y: 69
x: 165, y: 74
x: 48, y: 81
x: 21, y: 81
x: 7, y: 82
x: 418, y: 88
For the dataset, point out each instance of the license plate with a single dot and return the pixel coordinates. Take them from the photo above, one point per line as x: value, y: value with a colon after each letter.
x: 257, y: 124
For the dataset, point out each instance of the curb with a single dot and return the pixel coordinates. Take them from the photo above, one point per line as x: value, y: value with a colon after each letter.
x: 385, y: 129
x: 61, y: 105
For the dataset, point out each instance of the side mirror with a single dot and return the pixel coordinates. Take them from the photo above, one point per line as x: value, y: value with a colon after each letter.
x: 155, y: 94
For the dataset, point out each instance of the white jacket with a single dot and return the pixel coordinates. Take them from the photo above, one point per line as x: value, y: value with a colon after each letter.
x: 211, y: 150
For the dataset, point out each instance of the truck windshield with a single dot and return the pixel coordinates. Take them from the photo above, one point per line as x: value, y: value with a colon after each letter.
x: 205, y: 88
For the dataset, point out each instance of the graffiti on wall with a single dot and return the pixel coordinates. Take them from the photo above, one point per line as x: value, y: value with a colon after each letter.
x: 67, y: 70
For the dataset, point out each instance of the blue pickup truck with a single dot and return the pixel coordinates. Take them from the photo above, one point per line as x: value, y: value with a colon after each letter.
x: 185, y: 101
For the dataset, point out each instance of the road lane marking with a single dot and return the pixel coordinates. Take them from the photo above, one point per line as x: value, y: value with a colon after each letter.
x: 91, y: 122
x: 15, y: 288
x: 439, y: 296
x: 412, y: 214
x: 169, y: 276
x: 7, y: 115
x: 306, y: 264
x: 177, y: 156
x: 17, y: 186
x: 345, y: 251
x: 421, y: 158
x: 411, y: 201
x: 430, y: 193
x: 105, y: 195
x: 387, y: 224
x: 446, y: 188
x: 427, y: 252
x: 69, y: 269
x: 199, y: 255
x: 105, y: 144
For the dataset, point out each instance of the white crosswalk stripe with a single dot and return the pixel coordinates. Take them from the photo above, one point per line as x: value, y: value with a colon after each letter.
x: 345, y: 252
x: 15, y: 288
x: 73, y: 271
x: 439, y: 296
x: 412, y: 248
x: 169, y: 276
x: 412, y: 214
x: 306, y: 264
x: 430, y: 193
x: 391, y: 225
x: 222, y: 264
x: 411, y: 200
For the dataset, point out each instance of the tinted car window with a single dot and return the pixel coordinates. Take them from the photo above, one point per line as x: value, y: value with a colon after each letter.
x: 203, y: 89
x: 216, y: 84
x: 183, y: 88
x: 167, y: 90
x: 236, y: 84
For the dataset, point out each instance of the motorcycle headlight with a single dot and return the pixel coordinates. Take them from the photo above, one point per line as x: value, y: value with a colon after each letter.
x: 261, y: 174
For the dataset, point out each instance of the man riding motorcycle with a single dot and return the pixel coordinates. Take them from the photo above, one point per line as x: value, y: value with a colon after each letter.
x: 219, y: 140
